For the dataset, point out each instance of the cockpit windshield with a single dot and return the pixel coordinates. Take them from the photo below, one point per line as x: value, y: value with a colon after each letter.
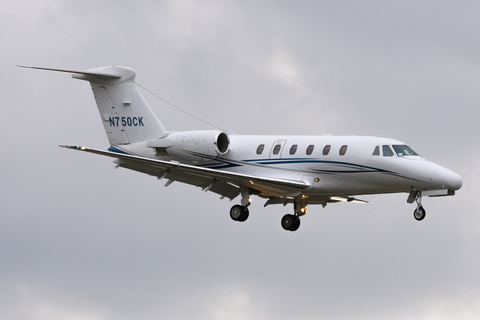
x: 404, y: 151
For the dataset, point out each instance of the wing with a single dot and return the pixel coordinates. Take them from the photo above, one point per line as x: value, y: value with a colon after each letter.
x: 225, y: 183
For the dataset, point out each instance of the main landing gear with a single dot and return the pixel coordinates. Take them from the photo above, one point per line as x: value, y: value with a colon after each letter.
x: 291, y: 222
x: 419, y: 213
x: 239, y: 213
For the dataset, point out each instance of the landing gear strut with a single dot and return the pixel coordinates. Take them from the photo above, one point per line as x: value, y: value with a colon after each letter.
x: 419, y: 213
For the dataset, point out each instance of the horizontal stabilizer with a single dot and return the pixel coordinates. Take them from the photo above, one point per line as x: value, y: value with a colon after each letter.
x: 87, y: 73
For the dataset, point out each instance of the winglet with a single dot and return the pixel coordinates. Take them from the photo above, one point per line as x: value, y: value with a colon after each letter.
x: 87, y: 73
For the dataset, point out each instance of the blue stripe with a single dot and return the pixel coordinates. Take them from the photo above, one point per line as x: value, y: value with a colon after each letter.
x: 351, y: 171
x: 222, y: 165
x: 356, y: 168
x: 337, y: 163
x: 280, y: 159
x: 113, y: 149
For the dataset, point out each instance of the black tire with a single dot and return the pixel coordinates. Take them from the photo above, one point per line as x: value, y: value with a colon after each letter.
x: 288, y: 222
x: 245, y: 214
x: 236, y: 212
x: 296, y: 223
x: 419, y: 213
x: 239, y: 213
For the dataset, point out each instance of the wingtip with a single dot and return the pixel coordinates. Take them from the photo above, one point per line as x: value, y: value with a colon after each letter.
x: 24, y: 66
x: 72, y: 147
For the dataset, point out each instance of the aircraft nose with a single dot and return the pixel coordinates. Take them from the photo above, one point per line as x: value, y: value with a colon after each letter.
x: 452, y: 180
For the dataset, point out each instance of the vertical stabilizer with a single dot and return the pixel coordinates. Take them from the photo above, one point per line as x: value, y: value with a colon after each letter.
x: 126, y: 116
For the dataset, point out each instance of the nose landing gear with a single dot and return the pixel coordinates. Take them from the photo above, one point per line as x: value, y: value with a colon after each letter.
x: 419, y: 213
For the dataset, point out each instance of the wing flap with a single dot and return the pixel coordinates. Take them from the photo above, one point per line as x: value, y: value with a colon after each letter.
x: 219, y: 187
x: 346, y: 199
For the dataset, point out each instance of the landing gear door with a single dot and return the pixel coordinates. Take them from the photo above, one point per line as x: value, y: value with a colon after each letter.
x: 277, y: 149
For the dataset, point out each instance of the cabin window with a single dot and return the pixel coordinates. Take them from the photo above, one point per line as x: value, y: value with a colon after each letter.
x: 260, y: 149
x: 343, y: 150
x: 376, y: 152
x: 404, y: 151
x: 387, y: 152
x: 277, y: 148
x: 310, y: 149
x: 326, y: 150
x: 293, y: 149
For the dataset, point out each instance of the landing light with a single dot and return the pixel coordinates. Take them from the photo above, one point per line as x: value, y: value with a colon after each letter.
x: 303, y: 211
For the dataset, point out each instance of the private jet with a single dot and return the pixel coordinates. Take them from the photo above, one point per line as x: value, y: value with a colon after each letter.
x: 282, y: 169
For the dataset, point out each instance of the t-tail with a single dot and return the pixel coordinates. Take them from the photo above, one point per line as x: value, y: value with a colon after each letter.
x: 125, y: 114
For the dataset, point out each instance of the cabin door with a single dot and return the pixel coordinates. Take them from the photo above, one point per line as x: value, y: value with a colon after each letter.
x: 277, y: 148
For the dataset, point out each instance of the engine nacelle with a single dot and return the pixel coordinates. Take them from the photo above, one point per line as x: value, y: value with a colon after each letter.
x: 197, y: 145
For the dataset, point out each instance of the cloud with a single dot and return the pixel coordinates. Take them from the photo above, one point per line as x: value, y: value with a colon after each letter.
x: 81, y: 240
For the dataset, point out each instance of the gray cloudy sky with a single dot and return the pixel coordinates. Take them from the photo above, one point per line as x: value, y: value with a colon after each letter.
x: 81, y: 240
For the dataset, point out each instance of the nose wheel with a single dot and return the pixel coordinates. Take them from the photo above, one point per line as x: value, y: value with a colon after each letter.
x: 419, y: 213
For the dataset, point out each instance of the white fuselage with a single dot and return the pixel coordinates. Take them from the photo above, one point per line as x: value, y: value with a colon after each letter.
x: 355, y: 172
